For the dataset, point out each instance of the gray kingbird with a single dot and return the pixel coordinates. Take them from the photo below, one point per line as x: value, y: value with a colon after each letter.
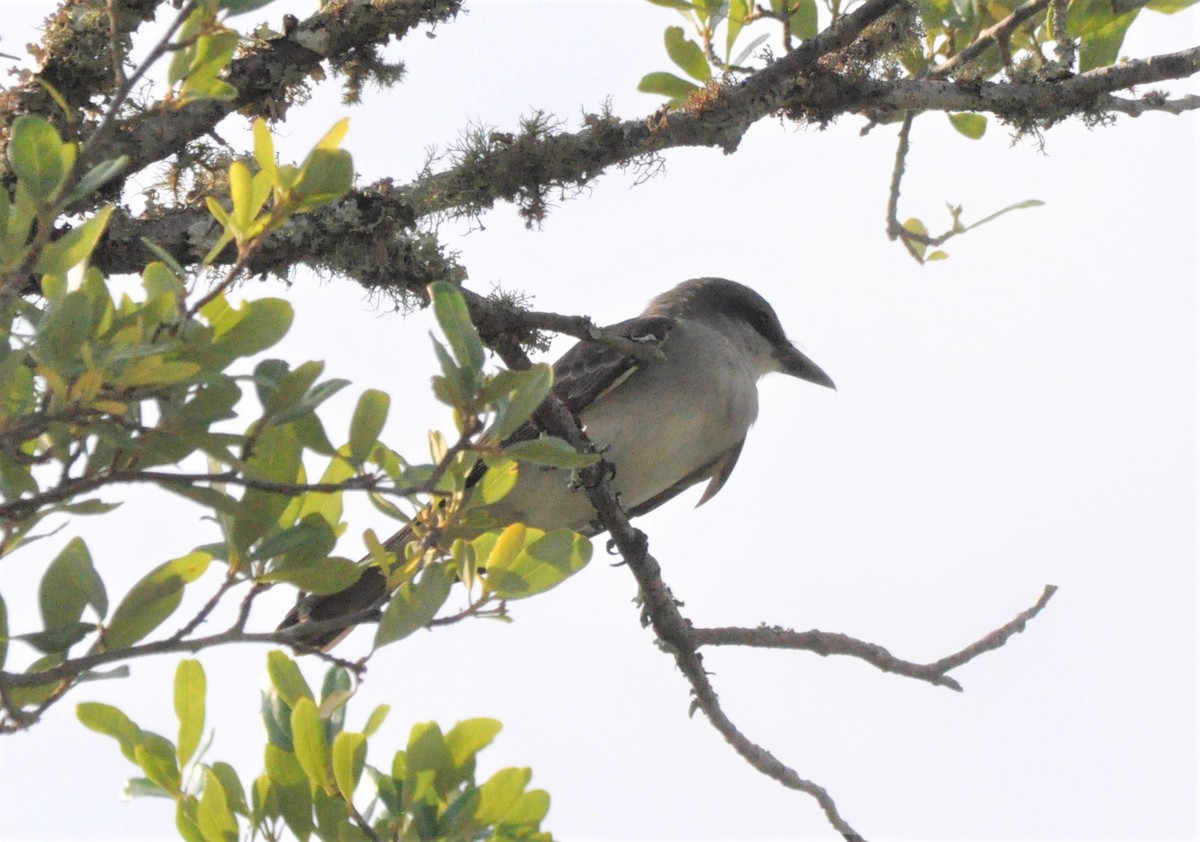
x: 664, y: 421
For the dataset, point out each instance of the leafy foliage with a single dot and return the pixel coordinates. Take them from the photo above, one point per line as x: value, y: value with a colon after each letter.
x: 317, y: 780
x: 166, y: 383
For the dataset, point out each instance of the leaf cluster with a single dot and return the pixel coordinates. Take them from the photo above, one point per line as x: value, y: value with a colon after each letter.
x: 317, y: 780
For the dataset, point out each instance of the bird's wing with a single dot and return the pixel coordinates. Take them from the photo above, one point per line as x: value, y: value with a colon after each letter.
x: 589, y: 369
x: 716, y: 472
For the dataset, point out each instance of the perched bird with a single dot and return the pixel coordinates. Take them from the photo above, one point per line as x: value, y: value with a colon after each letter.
x: 665, y: 422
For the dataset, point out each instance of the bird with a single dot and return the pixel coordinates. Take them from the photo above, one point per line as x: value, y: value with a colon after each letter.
x: 663, y: 421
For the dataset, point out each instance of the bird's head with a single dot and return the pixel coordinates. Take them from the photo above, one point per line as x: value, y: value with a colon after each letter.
x: 744, y: 316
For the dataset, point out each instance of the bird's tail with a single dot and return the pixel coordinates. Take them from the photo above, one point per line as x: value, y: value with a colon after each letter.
x: 356, y: 604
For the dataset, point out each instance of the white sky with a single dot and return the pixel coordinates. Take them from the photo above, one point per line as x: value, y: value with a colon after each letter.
x: 1021, y: 414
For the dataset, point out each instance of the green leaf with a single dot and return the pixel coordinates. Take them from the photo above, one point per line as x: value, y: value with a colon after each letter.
x: 294, y: 537
x: 455, y: 320
x: 215, y: 819
x: 428, y: 763
x: 1028, y: 203
x: 544, y: 561
x: 336, y: 690
x: 328, y: 174
x: 804, y: 20
x: 498, y: 480
x: 668, y: 85
x: 308, y: 738
x: 414, y: 605
x: 73, y: 247
x: 153, y: 599
x: 185, y: 820
x: 97, y: 177
x: 376, y: 719
x: 156, y: 756
x: 547, y: 450
x: 190, y: 690
x: 324, y: 576
x: 969, y: 125
x: 1102, y: 47
x: 264, y: 801
x: 349, y: 758
x: 529, y: 810
x: 277, y: 458
x: 263, y: 323
x: 530, y: 387
x: 112, y: 722
x: 1170, y: 7
x: 328, y: 505
x: 235, y: 794
x: 738, y: 9
x: 367, y: 423
x: 264, y: 146
x: 241, y: 193
x: 287, y: 679
x: 291, y: 790
x: 915, y: 247
x: 71, y: 584
x: 143, y: 788
x: 240, y: 7
x: 39, y: 157
x: 686, y: 54
x: 332, y: 139
x: 468, y: 738
x: 57, y: 640
x: 500, y: 793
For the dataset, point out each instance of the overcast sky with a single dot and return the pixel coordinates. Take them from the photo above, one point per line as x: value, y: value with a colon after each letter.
x: 1021, y: 414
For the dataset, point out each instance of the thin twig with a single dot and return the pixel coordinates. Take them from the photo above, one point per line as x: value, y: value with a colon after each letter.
x: 226, y: 584
x: 994, y: 34
x: 824, y: 644
x: 997, y: 638
x: 831, y: 643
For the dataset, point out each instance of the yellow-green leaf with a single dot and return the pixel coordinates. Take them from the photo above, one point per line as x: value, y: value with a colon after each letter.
x: 39, y: 157
x: 308, y: 738
x: 686, y: 53
x: 153, y: 599
x: 349, y: 758
x: 287, y: 679
x: 969, y: 125
x: 190, y: 690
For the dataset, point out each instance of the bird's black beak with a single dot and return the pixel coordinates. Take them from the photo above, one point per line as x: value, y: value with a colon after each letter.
x: 798, y: 365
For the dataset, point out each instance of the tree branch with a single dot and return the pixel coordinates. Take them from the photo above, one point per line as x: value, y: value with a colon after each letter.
x: 369, y: 235
x: 830, y: 643
x: 661, y: 608
x: 996, y: 34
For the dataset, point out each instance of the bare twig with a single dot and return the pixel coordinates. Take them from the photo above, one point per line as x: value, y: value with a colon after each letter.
x: 829, y: 643
x: 824, y: 644
x: 894, y: 228
x: 997, y: 638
